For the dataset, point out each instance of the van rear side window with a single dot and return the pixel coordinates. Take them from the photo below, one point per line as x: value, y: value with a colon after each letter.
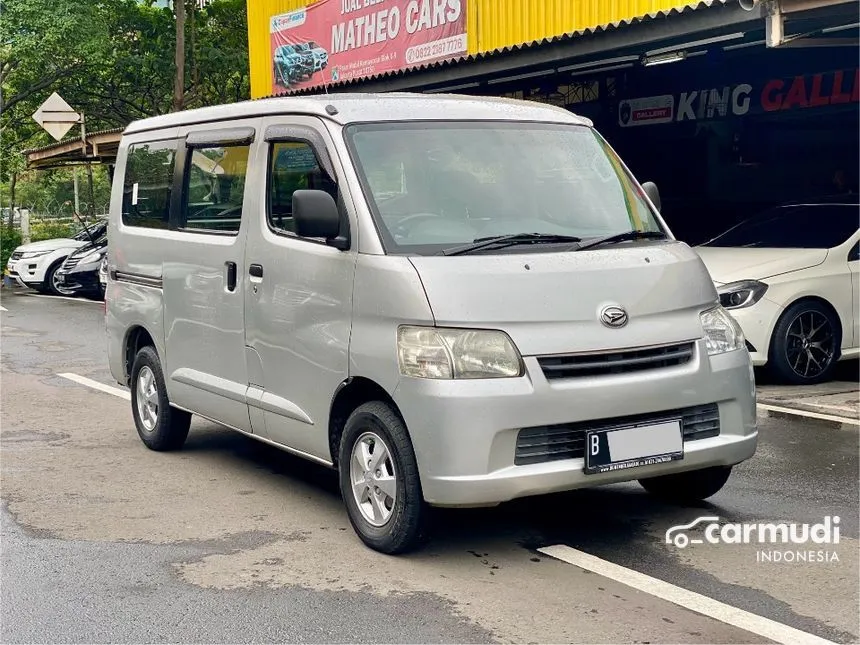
x: 216, y: 188
x: 148, y: 184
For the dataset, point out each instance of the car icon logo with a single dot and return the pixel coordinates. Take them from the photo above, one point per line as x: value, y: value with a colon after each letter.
x: 676, y: 534
x: 614, y: 316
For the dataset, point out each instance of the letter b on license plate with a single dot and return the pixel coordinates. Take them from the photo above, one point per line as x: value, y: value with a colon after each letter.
x: 625, y: 447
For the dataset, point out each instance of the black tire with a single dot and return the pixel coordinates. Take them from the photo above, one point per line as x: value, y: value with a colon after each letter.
x: 788, y: 360
x: 47, y: 285
x: 171, y: 425
x: 689, y: 487
x: 405, y: 528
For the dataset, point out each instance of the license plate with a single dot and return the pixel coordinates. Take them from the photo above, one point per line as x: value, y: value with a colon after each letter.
x: 625, y: 447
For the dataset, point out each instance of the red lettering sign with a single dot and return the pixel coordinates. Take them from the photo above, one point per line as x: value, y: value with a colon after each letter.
x: 338, y: 40
x: 815, y: 97
x: 655, y: 113
x: 771, y: 96
x: 797, y: 96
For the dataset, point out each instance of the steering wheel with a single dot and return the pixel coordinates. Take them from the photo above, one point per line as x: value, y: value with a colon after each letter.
x: 399, y: 230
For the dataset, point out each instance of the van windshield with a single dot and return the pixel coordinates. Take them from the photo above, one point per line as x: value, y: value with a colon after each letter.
x: 433, y: 185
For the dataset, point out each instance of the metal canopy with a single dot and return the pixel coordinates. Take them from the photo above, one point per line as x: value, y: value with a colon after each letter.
x: 101, y: 147
x: 594, y: 48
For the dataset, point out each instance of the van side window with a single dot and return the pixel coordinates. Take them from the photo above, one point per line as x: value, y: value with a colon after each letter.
x: 215, y: 187
x: 148, y: 184
x: 293, y: 166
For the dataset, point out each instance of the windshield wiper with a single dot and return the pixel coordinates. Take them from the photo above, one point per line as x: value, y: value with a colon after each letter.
x: 626, y: 236
x: 502, y: 241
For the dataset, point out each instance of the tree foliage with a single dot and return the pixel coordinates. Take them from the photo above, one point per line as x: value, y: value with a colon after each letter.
x: 113, y: 61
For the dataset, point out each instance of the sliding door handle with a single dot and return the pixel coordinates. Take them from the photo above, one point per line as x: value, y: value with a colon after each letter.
x: 231, y: 276
x: 255, y: 270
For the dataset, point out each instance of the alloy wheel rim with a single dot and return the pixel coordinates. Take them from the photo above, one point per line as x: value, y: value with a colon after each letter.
x: 58, y: 285
x: 809, y: 347
x: 147, y: 399
x: 373, y: 479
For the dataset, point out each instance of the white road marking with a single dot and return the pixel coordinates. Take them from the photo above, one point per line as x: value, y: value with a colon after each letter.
x: 101, y: 387
x: 69, y: 298
x: 829, y: 406
x: 811, y: 415
x: 698, y: 603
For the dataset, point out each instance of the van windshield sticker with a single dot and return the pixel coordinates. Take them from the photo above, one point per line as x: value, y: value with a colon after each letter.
x: 134, y: 194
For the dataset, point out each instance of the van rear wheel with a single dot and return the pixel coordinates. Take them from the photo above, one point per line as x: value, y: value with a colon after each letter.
x: 689, y: 487
x: 160, y: 426
x: 379, y: 480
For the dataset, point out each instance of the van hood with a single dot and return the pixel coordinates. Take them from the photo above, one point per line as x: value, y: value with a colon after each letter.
x: 727, y: 264
x: 50, y: 245
x: 550, y: 303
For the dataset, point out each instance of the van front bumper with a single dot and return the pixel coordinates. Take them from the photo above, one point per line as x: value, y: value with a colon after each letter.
x: 465, y: 431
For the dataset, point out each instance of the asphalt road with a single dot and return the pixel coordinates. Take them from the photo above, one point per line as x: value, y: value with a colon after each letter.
x: 233, y: 541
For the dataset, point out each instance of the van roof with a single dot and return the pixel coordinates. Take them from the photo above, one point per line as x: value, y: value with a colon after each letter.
x: 359, y: 107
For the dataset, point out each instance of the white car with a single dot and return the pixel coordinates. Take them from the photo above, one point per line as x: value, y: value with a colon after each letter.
x: 790, y: 277
x: 35, y: 265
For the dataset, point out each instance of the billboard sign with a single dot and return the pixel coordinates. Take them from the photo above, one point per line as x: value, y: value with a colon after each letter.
x: 837, y: 87
x: 340, y: 40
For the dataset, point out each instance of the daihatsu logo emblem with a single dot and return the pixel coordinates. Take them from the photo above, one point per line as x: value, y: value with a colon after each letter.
x: 613, y: 316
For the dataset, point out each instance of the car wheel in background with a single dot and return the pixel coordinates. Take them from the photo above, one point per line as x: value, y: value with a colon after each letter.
x: 52, y: 284
x: 805, y: 344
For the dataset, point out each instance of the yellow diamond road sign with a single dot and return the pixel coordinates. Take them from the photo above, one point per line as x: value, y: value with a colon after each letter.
x: 56, y: 116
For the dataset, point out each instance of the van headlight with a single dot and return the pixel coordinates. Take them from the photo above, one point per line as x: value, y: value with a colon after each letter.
x: 737, y: 295
x: 722, y: 332
x: 440, y: 353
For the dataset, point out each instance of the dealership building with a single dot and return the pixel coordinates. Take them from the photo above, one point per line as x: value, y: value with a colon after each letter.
x: 730, y: 106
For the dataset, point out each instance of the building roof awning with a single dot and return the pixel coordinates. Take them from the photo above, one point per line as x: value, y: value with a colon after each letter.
x: 676, y: 27
x: 100, y: 147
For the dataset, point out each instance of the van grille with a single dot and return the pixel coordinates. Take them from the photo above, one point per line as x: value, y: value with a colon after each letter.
x: 567, y: 440
x: 70, y: 263
x: 616, y: 362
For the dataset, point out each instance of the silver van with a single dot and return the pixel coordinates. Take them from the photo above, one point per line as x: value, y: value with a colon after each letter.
x: 453, y: 301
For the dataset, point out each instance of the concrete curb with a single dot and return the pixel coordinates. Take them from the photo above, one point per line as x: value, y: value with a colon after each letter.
x: 803, y: 406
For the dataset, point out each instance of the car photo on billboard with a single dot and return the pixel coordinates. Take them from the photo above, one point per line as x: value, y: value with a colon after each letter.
x: 291, y: 65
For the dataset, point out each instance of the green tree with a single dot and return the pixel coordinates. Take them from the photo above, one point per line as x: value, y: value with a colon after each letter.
x: 112, y: 60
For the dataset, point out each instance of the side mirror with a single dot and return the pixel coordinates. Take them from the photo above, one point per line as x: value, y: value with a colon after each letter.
x: 653, y: 193
x: 315, y: 214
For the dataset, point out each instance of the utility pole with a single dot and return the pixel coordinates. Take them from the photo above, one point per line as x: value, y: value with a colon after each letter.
x: 77, y: 197
x: 179, y: 62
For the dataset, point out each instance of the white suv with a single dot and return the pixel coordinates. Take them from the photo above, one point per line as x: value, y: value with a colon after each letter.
x: 35, y: 265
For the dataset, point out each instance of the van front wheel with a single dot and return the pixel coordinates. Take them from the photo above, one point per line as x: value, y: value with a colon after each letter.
x: 379, y: 480
x: 689, y: 487
x: 160, y: 426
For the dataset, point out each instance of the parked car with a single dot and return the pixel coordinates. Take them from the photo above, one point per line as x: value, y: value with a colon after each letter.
x: 103, y: 273
x: 478, y: 337
x: 290, y: 65
x: 790, y: 277
x: 79, y: 273
x: 35, y: 265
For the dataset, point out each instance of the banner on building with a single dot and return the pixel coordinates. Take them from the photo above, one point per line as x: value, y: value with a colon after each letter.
x: 838, y: 87
x: 339, y: 40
